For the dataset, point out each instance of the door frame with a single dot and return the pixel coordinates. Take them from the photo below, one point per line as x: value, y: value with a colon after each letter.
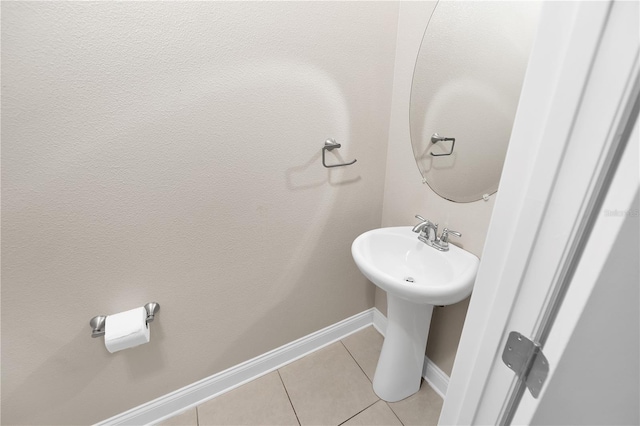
x: 546, y: 194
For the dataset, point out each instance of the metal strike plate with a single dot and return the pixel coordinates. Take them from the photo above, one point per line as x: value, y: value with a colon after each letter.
x: 526, y: 359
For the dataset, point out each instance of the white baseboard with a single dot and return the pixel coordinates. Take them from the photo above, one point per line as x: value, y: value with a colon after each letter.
x: 196, y: 393
x: 437, y: 379
x: 379, y: 321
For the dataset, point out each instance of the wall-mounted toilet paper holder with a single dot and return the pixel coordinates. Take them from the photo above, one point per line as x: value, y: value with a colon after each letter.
x: 97, y: 323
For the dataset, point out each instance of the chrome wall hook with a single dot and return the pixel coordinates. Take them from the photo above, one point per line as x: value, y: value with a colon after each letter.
x: 435, y: 138
x: 98, y: 323
x: 329, y: 145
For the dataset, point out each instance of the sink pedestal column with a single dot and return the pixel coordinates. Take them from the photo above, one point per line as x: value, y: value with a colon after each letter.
x: 400, y: 365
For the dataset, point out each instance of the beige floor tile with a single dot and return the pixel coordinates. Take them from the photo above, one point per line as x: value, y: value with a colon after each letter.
x: 379, y: 414
x: 327, y: 387
x: 186, y: 418
x: 263, y: 401
x: 421, y: 408
x: 365, y: 346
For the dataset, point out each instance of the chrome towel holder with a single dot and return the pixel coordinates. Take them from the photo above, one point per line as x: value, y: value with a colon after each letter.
x: 329, y: 145
x: 435, y: 138
x: 97, y: 323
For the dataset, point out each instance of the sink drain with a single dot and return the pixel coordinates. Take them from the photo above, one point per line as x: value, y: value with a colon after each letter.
x: 409, y: 279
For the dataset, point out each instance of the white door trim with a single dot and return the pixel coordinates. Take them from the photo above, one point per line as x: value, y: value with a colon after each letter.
x: 539, y: 164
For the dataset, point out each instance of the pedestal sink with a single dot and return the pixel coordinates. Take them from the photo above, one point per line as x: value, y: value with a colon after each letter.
x: 416, y: 277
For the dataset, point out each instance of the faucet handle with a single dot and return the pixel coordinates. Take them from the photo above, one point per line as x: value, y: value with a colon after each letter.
x: 445, y: 235
x: 421, y: 218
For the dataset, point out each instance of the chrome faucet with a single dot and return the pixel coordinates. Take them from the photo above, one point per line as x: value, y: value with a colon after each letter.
x: 424, y: 234
x: 424, y: 229
x: 420, y: 227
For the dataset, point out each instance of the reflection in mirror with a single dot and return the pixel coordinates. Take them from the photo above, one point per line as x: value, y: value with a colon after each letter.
x: 466, y: 86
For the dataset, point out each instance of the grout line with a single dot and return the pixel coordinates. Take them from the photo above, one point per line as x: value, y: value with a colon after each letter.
x: 394, y: 413
x: 356, y: 361
x: 354, y: 358
x: 197, y: 417
x: 365, y: 408
x: 290, y: 402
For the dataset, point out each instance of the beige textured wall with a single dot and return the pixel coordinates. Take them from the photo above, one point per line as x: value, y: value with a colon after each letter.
x: 170, y: 152
x: 406, y: 195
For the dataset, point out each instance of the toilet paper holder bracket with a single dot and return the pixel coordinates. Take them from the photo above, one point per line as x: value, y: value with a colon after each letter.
x: 97, y: 323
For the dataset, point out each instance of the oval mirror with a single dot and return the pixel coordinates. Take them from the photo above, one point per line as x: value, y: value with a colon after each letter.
x: 465, y: 91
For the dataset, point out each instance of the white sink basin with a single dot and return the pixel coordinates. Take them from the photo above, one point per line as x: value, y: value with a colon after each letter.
x: 397, y: 262
x: 416, y: 277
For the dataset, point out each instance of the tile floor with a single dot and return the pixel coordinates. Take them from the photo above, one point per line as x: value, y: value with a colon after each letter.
x: 331, y: 386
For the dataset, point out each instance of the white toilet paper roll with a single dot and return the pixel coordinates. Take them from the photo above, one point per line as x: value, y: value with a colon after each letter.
x: 126, y: 330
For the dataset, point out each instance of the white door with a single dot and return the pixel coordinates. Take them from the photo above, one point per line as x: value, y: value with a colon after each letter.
x: 573, y: 118
x: 593, y: 345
